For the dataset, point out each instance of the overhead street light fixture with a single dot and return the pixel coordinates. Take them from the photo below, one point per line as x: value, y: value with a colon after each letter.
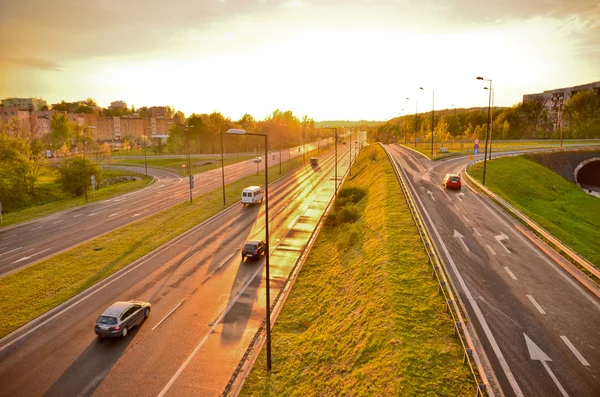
x: 487, y: 130
x: 236, y: 131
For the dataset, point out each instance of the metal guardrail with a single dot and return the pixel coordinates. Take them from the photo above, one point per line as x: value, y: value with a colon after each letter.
x: 563, y: 249
x: 471, y: 357
x: 291, y: 277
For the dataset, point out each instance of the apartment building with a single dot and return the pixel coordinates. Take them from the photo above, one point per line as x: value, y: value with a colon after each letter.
x: 40, y: 122
x: 9, y: 113
x: 157, y: 111
x: 25, y: 103
x: 118, y: 105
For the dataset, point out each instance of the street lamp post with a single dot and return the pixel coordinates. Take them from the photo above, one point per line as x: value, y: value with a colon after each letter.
x: 350, y: 164
x: 280, y: 143
x: 416, y: 121
x: 145, y: 157
x: 336, y: 161
x: 487, y: 130
x: 223, y: 160
x: 189, y: 162
x: 432, y: 116
x: 268, y: 293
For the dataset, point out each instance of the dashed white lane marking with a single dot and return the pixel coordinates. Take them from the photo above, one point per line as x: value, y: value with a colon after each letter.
x: 210, y: 331
x: 75, y: 216
x: 491, y: 250
x: 510, y: 273
x: 575, y: 351
x: 115, y: 214
x: 9, y: 237
x: 537, y: 305
x: 54, y: 223
x: 466, y: 219
x: 36, y: 228
x: 8, y: 252
x: 138, y: 214
x: 168, y: 314
x: 476, y: 231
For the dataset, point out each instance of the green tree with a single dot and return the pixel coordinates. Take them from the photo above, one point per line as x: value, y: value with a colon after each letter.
x: 176, y: 139
x: 75, y: 175
x: 16, y: 171
x: 582, y: 112
x: 60, y: 130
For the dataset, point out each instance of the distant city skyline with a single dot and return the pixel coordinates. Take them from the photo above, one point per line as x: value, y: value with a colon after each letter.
x: 319, y: 58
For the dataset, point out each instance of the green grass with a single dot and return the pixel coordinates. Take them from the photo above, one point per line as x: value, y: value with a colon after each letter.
x: 47, y: 190
x: 364, y: 317
x: 464, y: 148
x: 32, y: 291
x: 557, y: 205
x: 175, y: 164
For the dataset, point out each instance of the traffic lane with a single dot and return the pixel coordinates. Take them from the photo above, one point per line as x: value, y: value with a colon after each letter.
x: 210, y: 363
x: 492, y: 283
x: 165, y: 280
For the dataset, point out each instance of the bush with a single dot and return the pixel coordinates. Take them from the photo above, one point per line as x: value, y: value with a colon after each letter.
x: 75, y: 175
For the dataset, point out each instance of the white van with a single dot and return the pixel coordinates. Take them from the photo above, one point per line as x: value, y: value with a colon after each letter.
x: 252, y: 195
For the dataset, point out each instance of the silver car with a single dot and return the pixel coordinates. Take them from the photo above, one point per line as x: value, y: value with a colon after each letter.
x: 120, y: 317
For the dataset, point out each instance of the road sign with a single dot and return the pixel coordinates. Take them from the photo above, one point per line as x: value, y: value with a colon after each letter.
x: 93, y: 181
x: 477, y: 141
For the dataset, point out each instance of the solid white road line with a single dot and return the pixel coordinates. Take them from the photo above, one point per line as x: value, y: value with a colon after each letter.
x: 168, y: 314
x: 575, y: 351
x: 537, y: 305
x: 476, y: 231
x: 491, y: 250
x: 210, y: 331
x: 20, y: 253
x: 8, y: 252
x: 556, y: 382
x: 480, y: 317
x: 510, y: 273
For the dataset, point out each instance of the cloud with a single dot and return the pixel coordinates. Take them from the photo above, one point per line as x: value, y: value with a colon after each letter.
x: 35, y: 63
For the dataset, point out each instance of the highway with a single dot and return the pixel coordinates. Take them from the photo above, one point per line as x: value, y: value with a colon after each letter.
x: 206, y: 305
x: 538, y: 327
x: 24, y: 244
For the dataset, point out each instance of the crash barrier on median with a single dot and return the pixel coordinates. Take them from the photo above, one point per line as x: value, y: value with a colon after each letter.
x: 555, y: 243
x: 259, y: 337
x: 471, y: 357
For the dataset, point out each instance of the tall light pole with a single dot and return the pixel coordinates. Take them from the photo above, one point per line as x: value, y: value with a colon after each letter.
x: 416, y: 121
x: 336, y: 161
x: 145, y: 158
x: 268, y: 291
x: 350, y: 166
x: 318, y: 141
x: 491, y: 122
x: 223, y: 160
x: 487, y: 130
x: 189, y: 163
x: 432, y: 116
x: 559, y: 119
x: 280, y: 144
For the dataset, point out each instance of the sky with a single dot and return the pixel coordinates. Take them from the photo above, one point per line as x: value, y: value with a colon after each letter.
x: 328, y: 59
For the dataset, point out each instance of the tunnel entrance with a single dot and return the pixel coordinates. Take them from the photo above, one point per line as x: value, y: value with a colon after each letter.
x: 587, y: 175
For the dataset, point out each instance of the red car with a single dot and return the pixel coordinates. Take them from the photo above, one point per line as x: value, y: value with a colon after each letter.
x: 451, y: 181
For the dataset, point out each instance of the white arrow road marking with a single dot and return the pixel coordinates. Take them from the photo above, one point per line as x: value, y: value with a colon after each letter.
x: 491, y: 250
x: 458, y: 196
x: 510, y: 273
x: 575, y: 351
x: 537, y: 354
x: 461, y: 237
x: 537, y: 305
x: 28, y: 257
x: 502, y: 237
x: 429, y: 192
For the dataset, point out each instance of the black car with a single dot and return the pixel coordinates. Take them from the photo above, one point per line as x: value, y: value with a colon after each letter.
x: 253, y: 249
x: 120, y: 317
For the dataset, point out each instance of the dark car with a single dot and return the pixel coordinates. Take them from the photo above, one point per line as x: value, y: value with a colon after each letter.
x: 451, y: 181
x: 314, y: 161
x: 253, y: 249
x: 120, y: 317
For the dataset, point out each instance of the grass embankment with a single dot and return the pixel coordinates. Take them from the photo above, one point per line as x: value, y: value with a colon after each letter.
x: 28, y: 293
x: 456, y: 148
x: 175, y: 163
x: 52, y: 199
x: 557, y: 205
x: 364, y: 317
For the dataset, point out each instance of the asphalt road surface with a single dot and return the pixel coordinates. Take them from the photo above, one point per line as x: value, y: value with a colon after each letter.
x: 538, y: 327
x: 24, y: 244
x: 207, y: 304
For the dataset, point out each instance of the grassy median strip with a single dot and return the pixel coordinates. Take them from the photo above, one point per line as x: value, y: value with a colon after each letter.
x: 38, y: 211
x: 364, y: 317
x: 554, y: 203
x: 199, y: 164
x: 32, y: 291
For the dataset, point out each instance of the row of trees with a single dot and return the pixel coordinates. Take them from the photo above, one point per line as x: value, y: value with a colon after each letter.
x: 532, y: 119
